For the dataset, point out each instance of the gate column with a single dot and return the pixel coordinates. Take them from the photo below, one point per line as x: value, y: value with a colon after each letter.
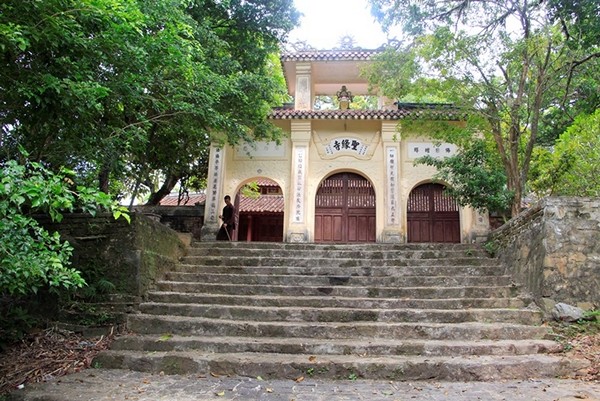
x: 214, y: 189
x: 392, y: 232
x: 297, y: 223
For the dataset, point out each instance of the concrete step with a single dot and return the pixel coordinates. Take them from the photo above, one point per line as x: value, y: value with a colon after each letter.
x: 424, y: 292
x: 309, y: 261
x: 356, y: 252
x: 311, y: 346
x: 300, y: 314
x: 335, y: 302
x: 363, y: 330
x: 283, y: 310
x: 353, y: 247
x: 294, y: 366
x: 488, y: 269
x: 338, y: 280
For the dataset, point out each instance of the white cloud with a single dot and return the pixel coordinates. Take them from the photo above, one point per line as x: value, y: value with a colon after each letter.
x: 325, y: 22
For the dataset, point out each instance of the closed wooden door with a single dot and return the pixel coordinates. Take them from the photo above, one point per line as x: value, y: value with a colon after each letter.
x: 345, y: 209
x: 432, y: 215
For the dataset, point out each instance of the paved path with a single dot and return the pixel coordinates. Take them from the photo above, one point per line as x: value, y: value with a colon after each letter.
x: 105, y: 385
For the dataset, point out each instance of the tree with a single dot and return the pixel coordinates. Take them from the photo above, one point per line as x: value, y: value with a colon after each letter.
x: 507, y: 61
x: 573, y: 167
x: 30, y: 257
x: 475, y: 178
x: 122, y: 91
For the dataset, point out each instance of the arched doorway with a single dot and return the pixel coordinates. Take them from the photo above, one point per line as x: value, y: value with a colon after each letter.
x: 432, y: 215
x: 260, y: 216
x: 345, y: 209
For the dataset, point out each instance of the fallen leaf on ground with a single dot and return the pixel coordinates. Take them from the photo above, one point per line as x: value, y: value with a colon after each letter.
x: 165, y: 337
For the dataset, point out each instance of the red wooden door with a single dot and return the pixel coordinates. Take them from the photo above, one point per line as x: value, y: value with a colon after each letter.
x: 432, y: 215
x: 345, y: 209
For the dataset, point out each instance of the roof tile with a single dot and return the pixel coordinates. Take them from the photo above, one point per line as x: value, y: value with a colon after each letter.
x: 263, y: 204
x: 329, y: 55
x: 191, y: 200
x: 442, y: 113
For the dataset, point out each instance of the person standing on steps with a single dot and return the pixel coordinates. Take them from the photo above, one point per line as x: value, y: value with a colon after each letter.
x: 228, y: 218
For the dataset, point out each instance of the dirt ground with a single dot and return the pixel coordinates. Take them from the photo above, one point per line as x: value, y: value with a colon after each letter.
x: 52, y: 353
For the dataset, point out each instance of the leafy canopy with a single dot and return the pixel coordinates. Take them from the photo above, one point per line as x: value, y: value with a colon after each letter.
x: 572, y: 168
x: 30, y: 256
x: 524, y: 67
x: 124, y: 91
x: 473, y: 176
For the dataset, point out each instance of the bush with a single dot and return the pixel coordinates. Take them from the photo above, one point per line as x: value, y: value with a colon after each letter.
x: 31, y: 258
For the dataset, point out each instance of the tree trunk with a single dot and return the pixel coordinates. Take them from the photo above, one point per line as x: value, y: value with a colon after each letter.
x: 164, y: 190
x: 103, y: 179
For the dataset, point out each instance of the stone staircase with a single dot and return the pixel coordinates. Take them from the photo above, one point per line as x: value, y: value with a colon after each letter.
x: 376, y: 311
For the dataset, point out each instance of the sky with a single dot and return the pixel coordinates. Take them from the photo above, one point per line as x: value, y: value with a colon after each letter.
x: 325, y: 22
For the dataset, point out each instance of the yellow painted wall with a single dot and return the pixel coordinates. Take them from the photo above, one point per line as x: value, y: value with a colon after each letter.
x: 240, y: 169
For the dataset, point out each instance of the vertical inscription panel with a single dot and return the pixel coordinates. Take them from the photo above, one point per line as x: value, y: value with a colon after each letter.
x: 214, y: 184
x: 392, y: 206
x: 299, y: 169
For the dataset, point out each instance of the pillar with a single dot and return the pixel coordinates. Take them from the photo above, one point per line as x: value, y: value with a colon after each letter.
x: 298, y: 220
x: 392, y: 230
x: 214, y: 193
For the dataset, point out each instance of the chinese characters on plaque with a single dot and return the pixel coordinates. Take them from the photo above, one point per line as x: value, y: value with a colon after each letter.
x: 420, y: 149
x: 299, y: 174
x: 392, y: 185
x: 346, y: 145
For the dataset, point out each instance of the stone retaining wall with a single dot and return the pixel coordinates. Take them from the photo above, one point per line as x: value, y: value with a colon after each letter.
x: 183, y: 219
x: 553, y: 250
x: 131, y: 256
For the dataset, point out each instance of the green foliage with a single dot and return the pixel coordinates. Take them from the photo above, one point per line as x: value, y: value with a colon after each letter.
x: 251, y: 190
x: 491, y: 247
x: 592, y: 314
x: 31, y: 257
x: 572, y: 168
x: 526, y: 68
x: 15, y: 320
x: 474, y: 176
x: 566, y: 332
x: 127, y: 90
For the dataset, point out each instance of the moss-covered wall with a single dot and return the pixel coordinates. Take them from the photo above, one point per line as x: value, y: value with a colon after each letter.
x: 130, y: 255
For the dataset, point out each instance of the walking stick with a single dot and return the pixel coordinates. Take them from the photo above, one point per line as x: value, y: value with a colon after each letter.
x: 225, y: 228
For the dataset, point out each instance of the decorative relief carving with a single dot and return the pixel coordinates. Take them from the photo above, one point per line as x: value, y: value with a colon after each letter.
x: 303, y: 93
x: 297, y: 237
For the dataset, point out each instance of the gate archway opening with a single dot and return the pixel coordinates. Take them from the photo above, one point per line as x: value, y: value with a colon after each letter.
x: 260, y: 217
x: 432, y: 215
x: 345, y: 209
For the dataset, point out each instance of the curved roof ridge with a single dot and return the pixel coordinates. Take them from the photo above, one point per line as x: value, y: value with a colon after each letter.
x: 427, y: 112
